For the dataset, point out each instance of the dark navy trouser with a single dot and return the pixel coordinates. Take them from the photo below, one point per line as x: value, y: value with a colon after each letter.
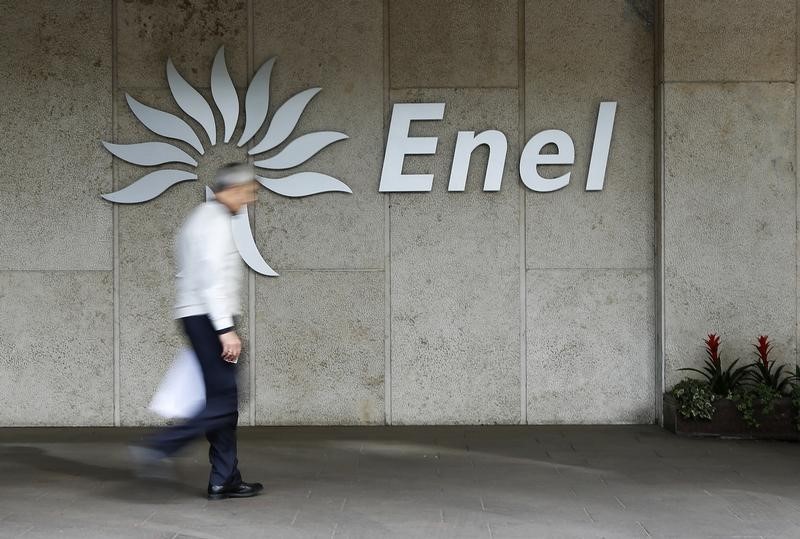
x: 219, y: 417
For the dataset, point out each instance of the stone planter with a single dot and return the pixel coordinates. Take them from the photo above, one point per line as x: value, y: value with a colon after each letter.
x: 728, y: 422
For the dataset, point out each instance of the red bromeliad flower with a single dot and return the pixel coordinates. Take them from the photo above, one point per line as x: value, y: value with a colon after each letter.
x: 721, y: 381
x: 712, y: 348
x: 763, y: 348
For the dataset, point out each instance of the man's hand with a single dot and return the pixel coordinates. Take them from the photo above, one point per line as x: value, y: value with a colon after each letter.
x: 231, y: 346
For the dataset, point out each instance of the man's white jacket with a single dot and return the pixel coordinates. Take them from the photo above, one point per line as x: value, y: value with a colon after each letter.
x: 209, y: 266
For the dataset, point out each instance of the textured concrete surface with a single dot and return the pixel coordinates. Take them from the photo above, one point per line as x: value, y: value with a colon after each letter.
x: 479, y: 47
x: 57, y: 366
x: 590, y: 346
x: 488, y: 483
x: 340, y: 49
x: 730, y: 198
x: 319, y: 344
x: 56, y: 99
x: 148, y: 34
x: 188, y: 32
x: 320, y: 359
x: 149, y: 337
x: 455, y: 274
x: 454, y: 312
x: 730, y: 40
x: 579, y: 53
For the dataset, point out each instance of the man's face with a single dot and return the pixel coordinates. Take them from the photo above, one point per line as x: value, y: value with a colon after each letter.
x: 246, y: 193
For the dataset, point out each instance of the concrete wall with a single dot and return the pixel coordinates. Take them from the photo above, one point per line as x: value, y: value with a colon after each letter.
x: 728, y: 189
x: 473, y: 307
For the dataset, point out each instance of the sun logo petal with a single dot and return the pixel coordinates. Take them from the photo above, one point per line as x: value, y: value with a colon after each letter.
x: 226, y: 100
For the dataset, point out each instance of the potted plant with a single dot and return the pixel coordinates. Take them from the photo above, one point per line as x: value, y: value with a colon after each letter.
x: 751, y: 400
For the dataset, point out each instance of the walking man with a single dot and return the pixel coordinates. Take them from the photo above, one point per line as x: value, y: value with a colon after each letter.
x: 207, y: 304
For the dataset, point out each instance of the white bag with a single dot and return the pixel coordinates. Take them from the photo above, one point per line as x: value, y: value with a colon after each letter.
x: 182, y: 393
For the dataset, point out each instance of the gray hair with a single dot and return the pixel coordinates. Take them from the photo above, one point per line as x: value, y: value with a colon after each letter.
x: 232, y: 174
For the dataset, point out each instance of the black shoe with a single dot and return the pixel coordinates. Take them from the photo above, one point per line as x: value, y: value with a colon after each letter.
x: 242, y: 490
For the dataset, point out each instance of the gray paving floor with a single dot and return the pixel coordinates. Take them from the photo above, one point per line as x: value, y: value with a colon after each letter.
x: 487, y: 482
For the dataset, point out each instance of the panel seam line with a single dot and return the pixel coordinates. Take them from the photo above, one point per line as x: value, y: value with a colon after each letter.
x: 251, y: 278
x: 115, y: 220
x: 523, y: 284
x: 387, y: 233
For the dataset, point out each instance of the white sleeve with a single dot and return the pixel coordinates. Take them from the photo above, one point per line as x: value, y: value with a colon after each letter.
x: 210, y: 246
